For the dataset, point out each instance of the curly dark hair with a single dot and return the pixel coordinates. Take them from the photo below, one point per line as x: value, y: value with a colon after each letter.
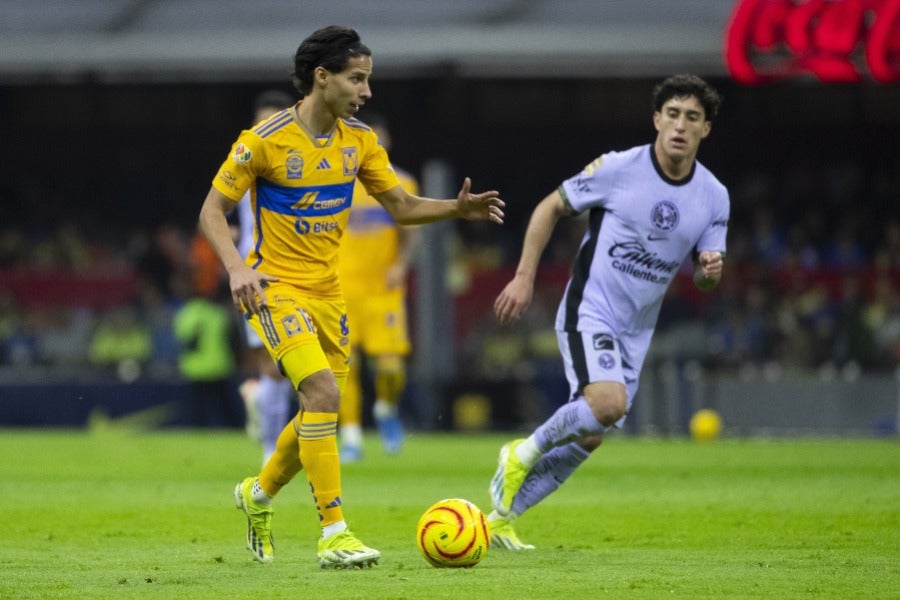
x: 330, y: 48
x: 684, y: 85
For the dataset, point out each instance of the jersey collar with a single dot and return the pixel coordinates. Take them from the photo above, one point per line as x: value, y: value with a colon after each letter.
x: 318, y: 141
x: 666, y: 178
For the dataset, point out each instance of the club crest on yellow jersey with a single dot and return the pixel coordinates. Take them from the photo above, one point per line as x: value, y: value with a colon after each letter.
x: 351, y: 161
x: 293, y: 165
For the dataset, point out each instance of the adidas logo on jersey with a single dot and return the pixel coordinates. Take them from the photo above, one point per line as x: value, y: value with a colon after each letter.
x: 323, y: 164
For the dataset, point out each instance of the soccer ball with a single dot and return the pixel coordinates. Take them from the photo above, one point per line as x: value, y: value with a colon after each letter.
x: 705, y: 425
x: 453, y: 533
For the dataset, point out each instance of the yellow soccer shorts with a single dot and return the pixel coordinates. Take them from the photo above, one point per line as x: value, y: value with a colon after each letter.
x: 314, y: 331
x: 379, y: 323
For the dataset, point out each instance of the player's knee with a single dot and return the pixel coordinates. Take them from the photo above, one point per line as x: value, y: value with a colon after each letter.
x: 320, y: 392
x: 609, y: 414
x: 608, y: 407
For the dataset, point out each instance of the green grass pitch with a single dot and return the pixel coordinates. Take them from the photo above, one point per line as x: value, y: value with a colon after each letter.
x: 120, y: 513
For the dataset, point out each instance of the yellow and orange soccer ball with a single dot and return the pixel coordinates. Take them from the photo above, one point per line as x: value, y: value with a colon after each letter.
x: 453, y: 533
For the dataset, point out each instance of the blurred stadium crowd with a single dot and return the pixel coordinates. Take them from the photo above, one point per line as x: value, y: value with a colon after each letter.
x: 812, y: 285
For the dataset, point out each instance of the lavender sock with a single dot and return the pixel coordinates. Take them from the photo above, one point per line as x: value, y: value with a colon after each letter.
x: 570, y: 422
x: 273, y: 401
x: 548, y: 473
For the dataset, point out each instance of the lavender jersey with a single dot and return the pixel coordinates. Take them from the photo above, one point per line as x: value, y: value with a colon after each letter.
x: 643, y: 226
x: 245, y: 223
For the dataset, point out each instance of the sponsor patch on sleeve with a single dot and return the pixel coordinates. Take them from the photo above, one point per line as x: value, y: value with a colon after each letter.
x: 242, y: 154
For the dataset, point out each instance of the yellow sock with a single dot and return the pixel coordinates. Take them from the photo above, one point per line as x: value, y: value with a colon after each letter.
x: 284, y: 463
x: 319, y: 455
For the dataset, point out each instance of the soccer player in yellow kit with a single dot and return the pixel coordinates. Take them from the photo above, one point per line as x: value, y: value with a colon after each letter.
x: 375, y: 258
x: 302, y: 164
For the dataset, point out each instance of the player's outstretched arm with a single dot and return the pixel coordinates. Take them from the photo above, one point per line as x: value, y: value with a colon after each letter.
x: 408, y: 209
x: 486, y: 206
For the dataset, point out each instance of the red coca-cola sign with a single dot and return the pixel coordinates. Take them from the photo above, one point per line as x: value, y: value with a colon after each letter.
x: 837, y: 41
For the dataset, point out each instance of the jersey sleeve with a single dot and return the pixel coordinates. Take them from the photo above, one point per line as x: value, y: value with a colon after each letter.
x: 713, y: 237
x: 375, y: 170
x: 239, y: 170
x: 590, y: 188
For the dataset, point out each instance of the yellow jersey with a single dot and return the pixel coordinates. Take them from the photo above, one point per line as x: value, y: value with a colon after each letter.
x: 301, y: 191
x: 371, y: 243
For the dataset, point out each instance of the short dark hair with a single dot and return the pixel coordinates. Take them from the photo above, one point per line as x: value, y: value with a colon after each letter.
x: 684, y: 85
x: 332, y: 48
x: 276, y: 99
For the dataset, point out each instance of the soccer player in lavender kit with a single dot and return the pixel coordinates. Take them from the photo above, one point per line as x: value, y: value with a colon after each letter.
x: 650, y: 208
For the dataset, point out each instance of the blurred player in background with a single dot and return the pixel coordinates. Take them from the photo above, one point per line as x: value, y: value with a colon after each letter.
x: 650, y: 208
x: 208, y: 347
x: 268, y: 396
x: 375, y: 259
x: 301, y: 165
